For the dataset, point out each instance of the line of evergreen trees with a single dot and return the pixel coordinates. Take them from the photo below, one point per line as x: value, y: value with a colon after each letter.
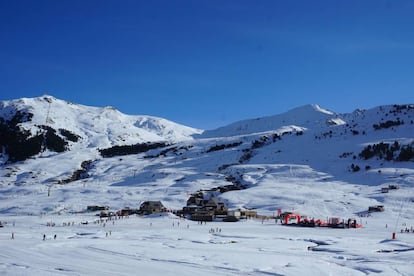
x: 224, y: 146
x: 130, y: 149
x: 387, y: 124
x: 388, y: 151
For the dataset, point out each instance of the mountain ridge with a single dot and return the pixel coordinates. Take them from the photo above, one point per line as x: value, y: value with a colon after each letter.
x: 301, y: 117
x: 93, y: 126
x: 308, y: 144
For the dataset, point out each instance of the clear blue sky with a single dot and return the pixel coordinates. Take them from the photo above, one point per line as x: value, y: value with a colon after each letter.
x: 209, y: 63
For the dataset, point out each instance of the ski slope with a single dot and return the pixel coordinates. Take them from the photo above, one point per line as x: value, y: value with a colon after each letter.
x: 300, y: 161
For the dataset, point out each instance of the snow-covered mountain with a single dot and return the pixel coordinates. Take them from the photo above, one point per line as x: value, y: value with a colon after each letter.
x: 58, y: 158
x: 157, y: 158
x: 300, y: 118
x: 62, y: 142
x: 76, y: 126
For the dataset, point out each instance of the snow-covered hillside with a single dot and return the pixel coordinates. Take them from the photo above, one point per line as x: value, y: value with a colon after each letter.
x: 96, y: 127
x: 308, y: 160
x: 308, y: 116
x: 305, y: 139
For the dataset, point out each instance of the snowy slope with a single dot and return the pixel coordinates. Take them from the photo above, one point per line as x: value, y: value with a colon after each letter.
x: 308, y: 116
x: 98, y: 127
x: 303, y: 139
x: 302, y: 161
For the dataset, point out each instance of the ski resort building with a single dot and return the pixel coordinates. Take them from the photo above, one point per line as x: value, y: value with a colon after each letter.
x: 151, y: 207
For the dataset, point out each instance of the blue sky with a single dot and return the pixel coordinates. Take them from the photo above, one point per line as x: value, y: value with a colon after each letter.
x: 209, y: 63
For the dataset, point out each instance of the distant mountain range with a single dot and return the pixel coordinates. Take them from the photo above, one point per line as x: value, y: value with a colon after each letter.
x: 48, y: 141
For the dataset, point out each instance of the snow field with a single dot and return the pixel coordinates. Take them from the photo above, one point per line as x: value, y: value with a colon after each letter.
x: 170, y: 245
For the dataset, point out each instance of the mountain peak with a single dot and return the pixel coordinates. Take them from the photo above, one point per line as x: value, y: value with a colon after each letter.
x: 310, y: 108
x: 298, y: 118
x: 47, y: 98
x: 95, y: 127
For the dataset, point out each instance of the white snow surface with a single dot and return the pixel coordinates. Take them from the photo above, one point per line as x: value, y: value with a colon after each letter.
x: 307, y: 171
x: 307, y: 116
x: 98, y: 127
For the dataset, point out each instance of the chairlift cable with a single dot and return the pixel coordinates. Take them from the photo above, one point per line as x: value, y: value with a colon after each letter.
x: 399, y: 215
x: 47, y: 120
